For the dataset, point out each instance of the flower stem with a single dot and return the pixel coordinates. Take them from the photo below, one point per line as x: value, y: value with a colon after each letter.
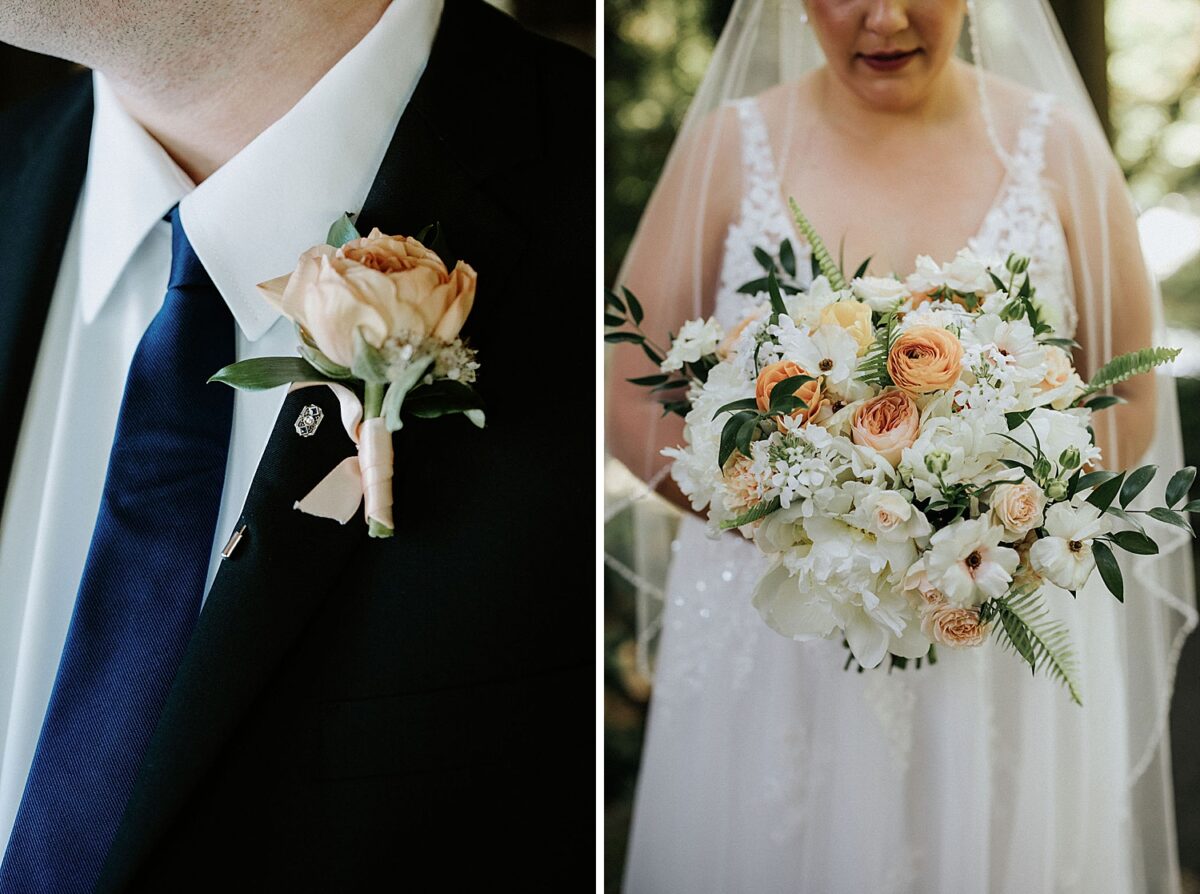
x: 372, y: 407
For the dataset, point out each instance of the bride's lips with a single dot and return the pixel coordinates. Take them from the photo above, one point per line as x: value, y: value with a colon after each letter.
x: 889, y: 61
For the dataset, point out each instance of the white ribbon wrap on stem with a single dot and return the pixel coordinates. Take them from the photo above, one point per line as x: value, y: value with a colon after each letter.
x: 365, y: 477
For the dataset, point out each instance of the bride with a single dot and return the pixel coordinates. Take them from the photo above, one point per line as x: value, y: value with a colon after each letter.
x: 901, y: 129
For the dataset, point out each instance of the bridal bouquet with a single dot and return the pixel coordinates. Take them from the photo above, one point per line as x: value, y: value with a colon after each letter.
x: 912, y: 456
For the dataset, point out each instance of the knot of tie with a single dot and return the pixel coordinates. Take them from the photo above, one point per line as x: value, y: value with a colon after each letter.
x: 186, y: 270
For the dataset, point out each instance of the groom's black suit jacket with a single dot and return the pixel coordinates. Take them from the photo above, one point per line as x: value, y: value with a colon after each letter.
x: 359, y: 714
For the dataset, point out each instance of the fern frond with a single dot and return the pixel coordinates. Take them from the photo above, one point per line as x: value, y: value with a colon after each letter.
x: 873, y: 368
x: 1129, y: 365
x: 1027, y: 629
x: 820, y: 253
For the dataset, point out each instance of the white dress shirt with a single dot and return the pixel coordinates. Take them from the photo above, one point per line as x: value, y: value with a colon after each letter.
x: 248, y: 222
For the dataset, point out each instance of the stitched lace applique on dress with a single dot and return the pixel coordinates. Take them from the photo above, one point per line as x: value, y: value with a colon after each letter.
x: 1026, y: 221
x: 763, y: 222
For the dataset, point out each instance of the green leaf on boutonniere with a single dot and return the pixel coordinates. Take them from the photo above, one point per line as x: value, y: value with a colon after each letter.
x: 442, y: 397
x: 342, y: 232
x: 369, y: 363
x: 263, y: 373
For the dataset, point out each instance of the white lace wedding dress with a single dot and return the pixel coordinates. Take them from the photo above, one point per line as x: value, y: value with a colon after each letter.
x: 767, y: 768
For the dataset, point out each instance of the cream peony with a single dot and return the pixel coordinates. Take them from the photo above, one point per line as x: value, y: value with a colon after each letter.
x: 384, y: 286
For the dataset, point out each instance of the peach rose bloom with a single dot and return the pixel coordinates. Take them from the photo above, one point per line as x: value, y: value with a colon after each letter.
x: 1058, y: 368
x: 887, y: 423
x: 925, y: 359
x: 1019, y: 506
x: 387, y: 286
x: 955, y: 627
x: 855, y: 318
x: 773, y: 374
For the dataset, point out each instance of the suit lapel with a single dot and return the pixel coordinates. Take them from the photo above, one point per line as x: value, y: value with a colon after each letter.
x: 264, y: 595
x: 36, y: 208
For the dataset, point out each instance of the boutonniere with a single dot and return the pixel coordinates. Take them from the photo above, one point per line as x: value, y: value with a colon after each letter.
x: 377, y: 320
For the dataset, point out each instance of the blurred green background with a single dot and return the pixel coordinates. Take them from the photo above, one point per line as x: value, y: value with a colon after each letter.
x: 1141, y: 62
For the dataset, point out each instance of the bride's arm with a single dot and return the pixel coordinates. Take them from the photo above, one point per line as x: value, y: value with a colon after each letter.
x: 1114, y: 293
x: 672, y: 267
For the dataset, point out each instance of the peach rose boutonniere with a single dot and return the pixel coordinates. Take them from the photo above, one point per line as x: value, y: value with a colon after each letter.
x: 377, y: 319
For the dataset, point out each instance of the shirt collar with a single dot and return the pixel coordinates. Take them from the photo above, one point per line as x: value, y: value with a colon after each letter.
x: 252, y: 218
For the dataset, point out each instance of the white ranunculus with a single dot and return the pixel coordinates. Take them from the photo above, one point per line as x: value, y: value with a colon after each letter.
x: 697, y: 338
x: 1065, y: 557
x: 967, y: 563
x: 881, y: 293
x: 796, y: 611
x: 967, y: 273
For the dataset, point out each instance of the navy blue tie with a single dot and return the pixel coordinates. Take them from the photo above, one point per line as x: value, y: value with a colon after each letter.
x: 141, y: 590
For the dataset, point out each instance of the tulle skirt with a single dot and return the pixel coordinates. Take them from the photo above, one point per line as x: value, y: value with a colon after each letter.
x: 768, y: 768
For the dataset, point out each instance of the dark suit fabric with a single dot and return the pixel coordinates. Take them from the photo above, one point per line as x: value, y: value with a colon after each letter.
x: 416, y: 713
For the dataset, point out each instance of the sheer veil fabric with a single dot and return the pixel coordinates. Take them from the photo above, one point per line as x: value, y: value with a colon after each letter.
x: 766, y: 767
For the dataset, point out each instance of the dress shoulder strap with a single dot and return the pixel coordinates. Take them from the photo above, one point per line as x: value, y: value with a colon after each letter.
x: 758, y: 164
x: 1030, y: 156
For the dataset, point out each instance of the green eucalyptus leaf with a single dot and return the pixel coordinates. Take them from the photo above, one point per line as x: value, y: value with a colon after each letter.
x: 1136, y: 483
x: 1016, y: 420
x: 1171, y: 517
x: 1180, y: 484
x: 1135, y: 542
x: 1193, y: 506
x: 342, y: 232
x: 263, y: 373
x: 1103, y: 496
x: 441, y: 397
x: 764, y: 259
x: 1110, y: 571
x: 746, y: 403
x: 1103, y: 402
x: 614, y: 337
x: 777, y: 304
x: 635, y: 308
x: 657, y: 379
x: 613, y: 320
x: 787, y: 257
x: 1095, y: 479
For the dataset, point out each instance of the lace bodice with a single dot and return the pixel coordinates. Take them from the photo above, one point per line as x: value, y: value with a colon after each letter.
x: 1023, y: 218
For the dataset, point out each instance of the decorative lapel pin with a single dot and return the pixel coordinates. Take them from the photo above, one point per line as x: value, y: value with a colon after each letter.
x: 308, y: 420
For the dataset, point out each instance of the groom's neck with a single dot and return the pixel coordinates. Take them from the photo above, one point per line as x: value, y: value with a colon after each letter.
x: 204, y: 85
